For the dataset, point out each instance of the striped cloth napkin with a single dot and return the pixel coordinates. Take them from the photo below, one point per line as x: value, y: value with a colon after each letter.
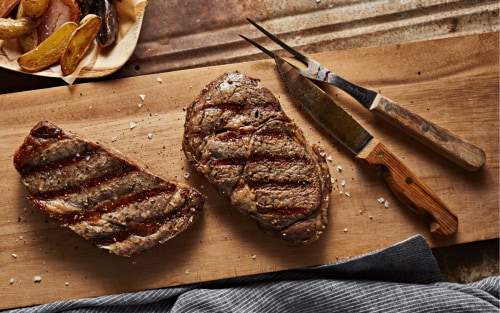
x: 402, y: 278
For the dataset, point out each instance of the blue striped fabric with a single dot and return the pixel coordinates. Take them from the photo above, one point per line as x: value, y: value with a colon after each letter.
x: 401, y: 278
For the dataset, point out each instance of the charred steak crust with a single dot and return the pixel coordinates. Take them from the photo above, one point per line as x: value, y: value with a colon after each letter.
x: 238, y: 136
x: 100, y: 194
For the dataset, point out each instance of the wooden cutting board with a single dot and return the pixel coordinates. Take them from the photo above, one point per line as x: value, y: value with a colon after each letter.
x: 453, y: 82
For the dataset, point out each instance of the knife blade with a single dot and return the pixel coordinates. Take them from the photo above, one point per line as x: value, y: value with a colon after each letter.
x: 405, y: 185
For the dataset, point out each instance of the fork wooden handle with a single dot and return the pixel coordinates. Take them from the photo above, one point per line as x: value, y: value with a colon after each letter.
x: 439, y: 139
x: 409, y: 189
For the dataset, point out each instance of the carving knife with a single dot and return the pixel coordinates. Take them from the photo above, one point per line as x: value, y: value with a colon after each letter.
x: 405, y: 185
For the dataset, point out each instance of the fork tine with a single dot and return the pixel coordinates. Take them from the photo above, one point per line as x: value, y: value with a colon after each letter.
x: 268, y: 52
x: 295, y: 53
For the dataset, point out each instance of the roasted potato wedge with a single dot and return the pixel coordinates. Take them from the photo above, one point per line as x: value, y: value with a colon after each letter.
x: 15, y: 28
x: 6, y: 6
x: 34, y: 8
x: 30, y: 41
x: 49, y: 51
x: 79, y: 42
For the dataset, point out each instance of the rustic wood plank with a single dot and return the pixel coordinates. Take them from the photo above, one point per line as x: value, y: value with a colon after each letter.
x: 453, y: 82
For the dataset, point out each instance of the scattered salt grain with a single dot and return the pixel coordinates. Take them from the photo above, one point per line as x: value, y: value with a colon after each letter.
x: 386, y: 204
x: 329, y: 158
x: 37, y: 279
x: 254, y: 256
x: 14, y: 255
x: 187, y: 272
x: 347, y: 193
x: 11, y: 281
x: 87, y: 158
x: 66, y: 284
x: 380, y: 200
x: 346, y: 230
x: 142, y: 96
x: 113, y: 139
x: 339, y: 168
x: 150, y: 135
x: 342, y: 183
x: 186, y: 175
x: 139, y: 105
x: 132, y: 125
x: 159, y: 80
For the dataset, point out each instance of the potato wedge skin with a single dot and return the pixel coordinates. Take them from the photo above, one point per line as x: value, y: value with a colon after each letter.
x: 14, y: 28
x: 49, y: 51
x: 79, y: 43
x: 34, y: 8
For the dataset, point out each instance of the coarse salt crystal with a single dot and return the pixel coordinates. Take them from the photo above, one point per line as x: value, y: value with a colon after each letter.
x: 342, y: 183
x: 386, y: 204
x: 380, y: 200
x: 187, y: 272
x: 150, y: 135
x: 254, y: 256
x: 139, y: 105
x: 14, y: 255
x: 329, y: 158
x: 142, y: 96
x: 347, y: 193
x: 346, y: 230
x: 11, y: 281
x: 37, y: 279
x: 339, y: 168
x: 113, y: 139
x: 66, y: 284
x: 87, y: 158
x: 132, y: 125
x: 186, y: 175
x: 159, y: 80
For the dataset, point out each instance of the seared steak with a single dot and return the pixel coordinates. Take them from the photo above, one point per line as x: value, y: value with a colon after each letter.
x: 101, y: 195
x: 238, y: 136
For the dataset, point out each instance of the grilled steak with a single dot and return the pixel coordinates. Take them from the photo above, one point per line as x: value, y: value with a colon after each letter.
x: 100, y: 195
x: 238, y: 136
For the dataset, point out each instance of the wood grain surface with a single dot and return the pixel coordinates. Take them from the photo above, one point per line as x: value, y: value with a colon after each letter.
x: 452, y: 82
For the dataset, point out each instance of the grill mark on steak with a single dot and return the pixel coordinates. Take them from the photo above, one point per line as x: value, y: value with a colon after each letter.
x: 102, y: 196
x: 237, y: 135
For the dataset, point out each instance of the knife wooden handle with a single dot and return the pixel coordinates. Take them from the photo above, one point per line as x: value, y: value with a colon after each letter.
x: 439, y: 139
x: 409, y: 189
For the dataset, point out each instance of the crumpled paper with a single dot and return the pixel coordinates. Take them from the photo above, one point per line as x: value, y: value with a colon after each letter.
x: 97, y: 62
